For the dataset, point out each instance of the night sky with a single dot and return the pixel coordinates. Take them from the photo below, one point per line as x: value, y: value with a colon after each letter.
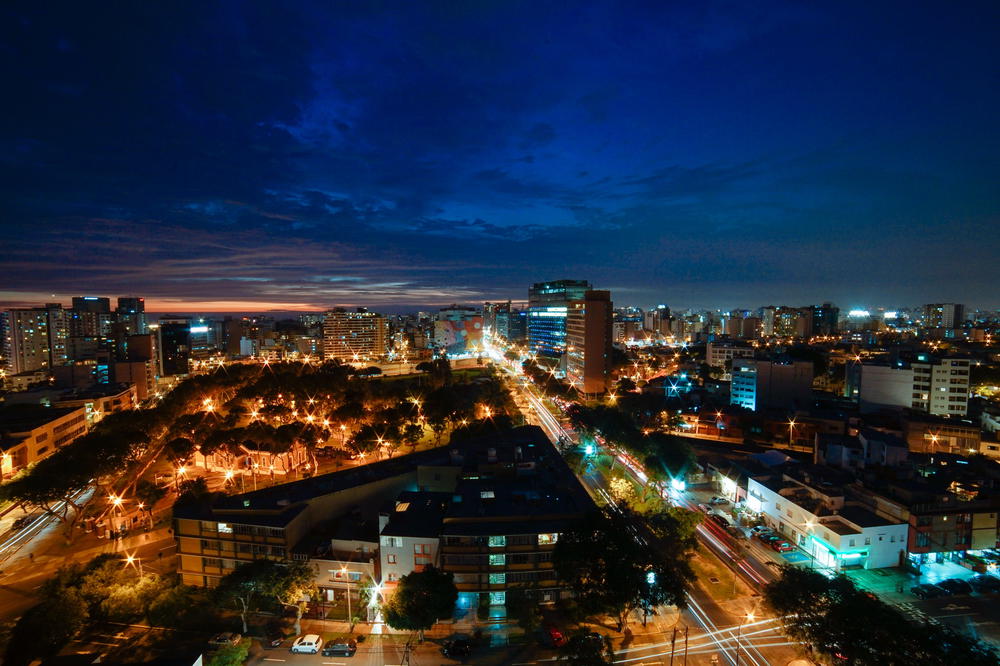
x: 282, y: 155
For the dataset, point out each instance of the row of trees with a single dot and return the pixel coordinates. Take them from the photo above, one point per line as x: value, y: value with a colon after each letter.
x: 848, y: 626
x: 109, y: 588
x: 663, y: 456
x: 614, y: 571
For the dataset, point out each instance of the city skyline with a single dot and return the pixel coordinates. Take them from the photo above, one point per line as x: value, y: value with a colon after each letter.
x: 245, y: 160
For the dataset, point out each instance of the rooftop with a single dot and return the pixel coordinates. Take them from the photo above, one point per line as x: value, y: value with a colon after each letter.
x: 24, y: 418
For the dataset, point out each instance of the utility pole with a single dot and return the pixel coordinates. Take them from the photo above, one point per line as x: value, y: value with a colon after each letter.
x: 685, y: 645
x: 673, y: 641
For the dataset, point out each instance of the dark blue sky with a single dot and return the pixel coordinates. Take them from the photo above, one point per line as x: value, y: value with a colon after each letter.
x: 245, y: 155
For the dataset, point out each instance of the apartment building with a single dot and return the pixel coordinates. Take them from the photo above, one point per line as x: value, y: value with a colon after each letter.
x: 29, y: 433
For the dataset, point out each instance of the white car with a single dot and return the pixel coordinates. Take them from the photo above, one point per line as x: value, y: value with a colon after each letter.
x: 308, y: 644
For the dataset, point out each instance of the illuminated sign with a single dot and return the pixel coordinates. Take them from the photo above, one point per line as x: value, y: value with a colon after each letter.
x: 199, y: 329
x: 859, y: 313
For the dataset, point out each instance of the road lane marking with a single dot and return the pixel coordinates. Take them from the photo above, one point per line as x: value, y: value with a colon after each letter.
x: 269, y: 659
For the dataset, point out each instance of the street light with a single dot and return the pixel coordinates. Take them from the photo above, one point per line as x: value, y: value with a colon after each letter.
x: 791, y: 426
x: 347, y: 582
x: 739, y: 632
x: 131, y: 560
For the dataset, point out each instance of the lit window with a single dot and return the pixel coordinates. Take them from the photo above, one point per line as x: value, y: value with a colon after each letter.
x: 498, y: 560
x: 547, y: 539
x: 498, y: 578
x: 486, y: 494
x: 498, y: 541
x: 402, y: 506
x: 498, y: 598
x: 225, y: 528
x: 391, y: 559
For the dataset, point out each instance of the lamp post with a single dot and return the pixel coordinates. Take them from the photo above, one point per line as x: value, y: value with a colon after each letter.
x: 791, y: 427
x: 131, y: 560
x: 739, y: 632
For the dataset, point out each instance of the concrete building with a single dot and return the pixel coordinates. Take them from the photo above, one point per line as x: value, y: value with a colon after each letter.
x: 812, y: 513
x: 718, y: 352
x: 488, y: 510
x: 173, y: 344
x: 943, y: 315
x: 35, y: 338
x: 358, y: 336
x: 938, y: 386
x: 29, y: 433
x: 759, y: 384
x: 588, y: 342
x: 409, y: 534
x: 548, y: 303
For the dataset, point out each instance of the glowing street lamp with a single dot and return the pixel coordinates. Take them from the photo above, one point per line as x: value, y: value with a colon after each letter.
x: 132, y: 560
x: 749, y: 618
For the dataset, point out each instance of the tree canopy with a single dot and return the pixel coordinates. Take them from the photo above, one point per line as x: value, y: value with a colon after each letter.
x: 844, y: 623
x: 421, y: 599
x: 612, y: 569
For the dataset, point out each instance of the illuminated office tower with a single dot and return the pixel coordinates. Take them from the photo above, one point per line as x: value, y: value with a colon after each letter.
x: 548, y: 303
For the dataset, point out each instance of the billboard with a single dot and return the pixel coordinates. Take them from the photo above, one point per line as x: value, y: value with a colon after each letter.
x: 459, y: 337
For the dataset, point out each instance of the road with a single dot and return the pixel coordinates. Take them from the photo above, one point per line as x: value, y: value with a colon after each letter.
x: 759, y: 641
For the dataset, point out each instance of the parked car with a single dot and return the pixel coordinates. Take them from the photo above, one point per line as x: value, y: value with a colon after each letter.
x: 928, y: 591
x: 705, y: 507
x: 737, y: 531
x: 308, y: 644
x: 781, y: 546
x: 759, y: 529
x: 555, y: 636
x: 224, y: 639
x: 718, y: 500
x: 984, y: 583
x: 767, y: 538
x: 956, y: 586
x: 720, y: 520
x: 342, y: 646
x: 459, y: 648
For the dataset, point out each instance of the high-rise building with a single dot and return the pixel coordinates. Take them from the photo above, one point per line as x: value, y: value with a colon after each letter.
x: 496, y: 319
x: 547, y: 306
x: 824, y: 319
x: 760, y: 384
x: 96, y: 304
x: 938, y: 386
x: 588, y: 342
x: 90, y: 318
x: 131, y: 313
x: 354, y: 336
x: 35, y: 338
x: 174, y: 345
x: 944, y: 315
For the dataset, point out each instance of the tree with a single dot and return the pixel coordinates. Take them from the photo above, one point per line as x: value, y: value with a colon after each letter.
x: 242, y: 588
x: 231, y: 655
x: 44, y: 629
x: 523, y: 608
x: 421, y: 599
x: 612, y: 571
x: 290, y: 584
x: 267, y: 583
x: 842, y: 622
x: 148, y: 493
x: 588, y: 649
